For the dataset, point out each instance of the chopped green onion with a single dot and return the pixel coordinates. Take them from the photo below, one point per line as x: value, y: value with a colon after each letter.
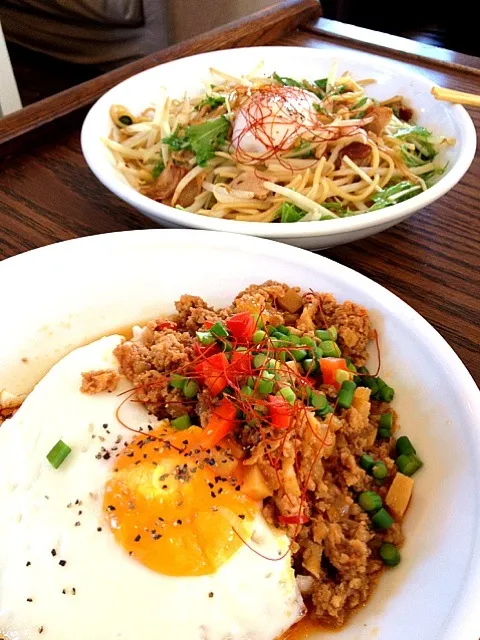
x: 58, y: 453
x: 404, y: 446
x: 345, y: 395
x: 367, y: 462
x: 271, y: 329
x: 206, y: 338
x: 382, y: 519
x: 333, y: 333
x: 283, y: 329
x: 259, y: 360
x: 227, y: 346
x: 317, y: 352
x: 265, y: 386
x: 351, y: 367
x: 177, y: 381
x: 241, y: 349
x: 251, y: 381
x: 323, y: 412
x: 330, y: 349
x: 293, y: 339
x: 246, y: 391
x: 318, y: 401
x: 383, y: 432
x: 386, y: 421
x: 309, y: 366
x: 323, y: 334
x: 307, y: 341
x: 219, y: 330
x: 272, y: 364
x: 370, y: 501
x: 181, y: 423
x: 258, y: 336
x: 408, y: 464
x: 379, y: 470
x: 190, y: 389
x: 298, y: 354
x: 386, y: 393
x: 268, y: 375
x: 288, y: 394
x: 389, y: 554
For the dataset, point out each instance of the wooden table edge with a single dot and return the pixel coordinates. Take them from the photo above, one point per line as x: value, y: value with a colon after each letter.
x: 384, y: 43
x: 262, y: 27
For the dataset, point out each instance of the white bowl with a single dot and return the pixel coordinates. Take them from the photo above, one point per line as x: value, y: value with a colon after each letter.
x: 75, y: 291
x: 186, y: 75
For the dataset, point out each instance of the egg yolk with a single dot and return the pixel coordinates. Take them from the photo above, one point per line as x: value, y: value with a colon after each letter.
x: 176, y: 508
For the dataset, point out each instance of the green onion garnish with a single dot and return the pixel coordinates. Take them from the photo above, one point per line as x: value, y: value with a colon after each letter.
x: 58, y: 453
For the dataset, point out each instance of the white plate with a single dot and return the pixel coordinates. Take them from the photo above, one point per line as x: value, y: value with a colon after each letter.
x: 66, y: 294
x: 186, y: 75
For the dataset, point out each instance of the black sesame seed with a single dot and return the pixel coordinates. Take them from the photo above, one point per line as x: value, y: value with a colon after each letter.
x: 40, y: 629
x: 241, y: 516
x: 62, y: 563
x: 210, y: 595
x: 106, y: 456
x: 138, y: 538
x: 213, y: 494
x: 179, y: 522
x: 64, y: 591
x: 29, y: 599
x: 77, y: 524
x: 110, y: 507
x: 28, y: 564
x: 53, y: 552
x: 74, y: 591
x: 99, y: 528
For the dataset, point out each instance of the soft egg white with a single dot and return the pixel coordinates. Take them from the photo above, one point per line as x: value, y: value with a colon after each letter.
x: 274, y: 120
x: 61, y: 575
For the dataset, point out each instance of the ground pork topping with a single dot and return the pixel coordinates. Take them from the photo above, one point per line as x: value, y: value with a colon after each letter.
x: 281, y: 374
x: 98, y: 381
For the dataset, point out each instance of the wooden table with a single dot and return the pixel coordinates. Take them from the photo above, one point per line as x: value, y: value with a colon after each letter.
x: 432, y: 260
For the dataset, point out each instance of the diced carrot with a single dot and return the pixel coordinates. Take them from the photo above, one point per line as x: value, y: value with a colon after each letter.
x: 221, y: 422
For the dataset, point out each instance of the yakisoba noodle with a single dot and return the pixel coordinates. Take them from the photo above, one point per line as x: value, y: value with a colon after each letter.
x: 266, y: 149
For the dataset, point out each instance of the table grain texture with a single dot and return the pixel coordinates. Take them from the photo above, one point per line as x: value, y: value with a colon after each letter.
x: 432, y: 260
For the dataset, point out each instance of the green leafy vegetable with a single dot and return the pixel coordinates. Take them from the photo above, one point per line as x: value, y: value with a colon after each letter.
x: 203, y: 139
x: 359, y: 104
x: 287, y: 82
x: 395, y: 193
x: 302, y: 150
x: 320, y: 109
x: 157, y: 169
x: 290, y: 213
x: 211, y: 101
x: 321, y: 84
x: 415, y: 130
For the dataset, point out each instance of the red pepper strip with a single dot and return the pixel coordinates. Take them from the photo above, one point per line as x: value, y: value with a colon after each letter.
x: 329, y: 367
x: 240, y: 364
x: 280, y: 412
x: 208, y: 325
x: 214, y: 370
x: 221, y: 422
x: 241, y: 326
x: 166, y: 324
x: 297, y: 519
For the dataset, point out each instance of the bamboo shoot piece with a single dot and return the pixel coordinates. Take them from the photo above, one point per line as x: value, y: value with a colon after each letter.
x: 399, y: 495
x: 254, y: 484
x: 292, y: 301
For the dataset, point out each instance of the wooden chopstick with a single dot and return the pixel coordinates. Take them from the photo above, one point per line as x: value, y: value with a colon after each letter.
x: 459, y: 97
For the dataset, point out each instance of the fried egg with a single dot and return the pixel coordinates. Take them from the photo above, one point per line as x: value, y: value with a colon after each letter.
x: 135, y: 535
x: 274, y: 118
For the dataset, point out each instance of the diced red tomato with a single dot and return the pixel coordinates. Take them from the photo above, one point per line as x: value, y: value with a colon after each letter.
x: 221, y: 422
x: 329, y: 367
x: 241, y: 326
x: 210, y: 350
x: 240, y: 364
x: 299, y: 518
x: 214, y: 371
x: 208, y: 325
x: 165, y: 324
x: 280, y: 412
